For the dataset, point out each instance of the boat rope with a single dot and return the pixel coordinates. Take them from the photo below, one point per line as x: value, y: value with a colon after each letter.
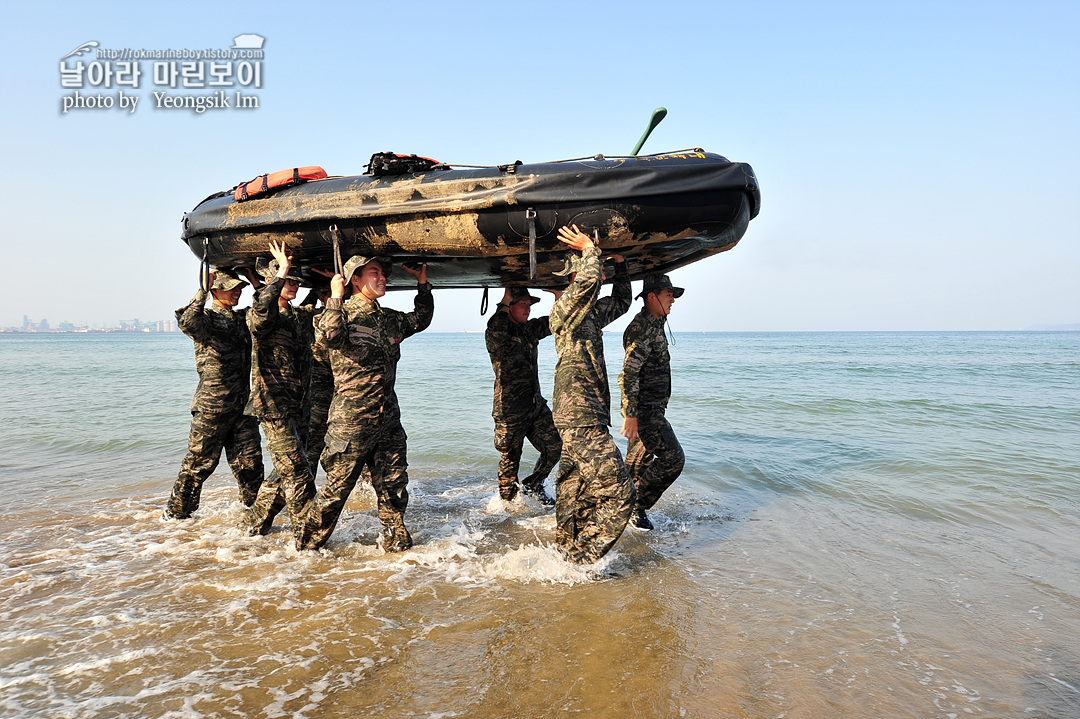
x: 597, y: 157
x: 484, y: 302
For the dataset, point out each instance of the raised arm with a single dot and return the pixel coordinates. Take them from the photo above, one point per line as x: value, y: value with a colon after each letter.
x: 622, y: 296
x: 577, y: 300
x: 423, y: 304
x: 330, y: 331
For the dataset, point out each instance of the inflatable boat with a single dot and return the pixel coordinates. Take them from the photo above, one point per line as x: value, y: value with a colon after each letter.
x: 490, y: 226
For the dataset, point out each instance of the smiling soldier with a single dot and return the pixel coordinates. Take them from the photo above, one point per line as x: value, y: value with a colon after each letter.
x: 364, y: 426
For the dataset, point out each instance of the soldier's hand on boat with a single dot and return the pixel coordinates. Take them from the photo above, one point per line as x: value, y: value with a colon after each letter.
x: 617, y: 259
x: 320, y: 271
x: 419, y: 274
x: 574, y: 237
x: 283, y: 256
x: 629, y: 428
x: 254, y: 279
x: 337, y: 287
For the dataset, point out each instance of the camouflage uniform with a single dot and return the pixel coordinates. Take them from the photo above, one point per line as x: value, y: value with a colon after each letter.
x: 519, y: 410
x: 321, y: 393
x: 223, y: 360
x: 281, y: 376
x: 594, y: 496
x: 655, y: 459
x: 365, y: 420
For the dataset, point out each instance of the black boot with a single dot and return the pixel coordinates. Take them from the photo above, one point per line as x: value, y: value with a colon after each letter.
x: 640, y: 520
x: 539, y: 495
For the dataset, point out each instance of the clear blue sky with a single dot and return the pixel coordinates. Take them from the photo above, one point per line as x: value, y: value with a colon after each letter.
x: 919, y: 161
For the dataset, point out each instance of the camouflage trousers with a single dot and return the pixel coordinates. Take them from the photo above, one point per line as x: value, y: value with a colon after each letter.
x: 510, y: 436
x: 290, y: 485
x: 655, y: 459
x: 594, y: 496
x: 382, y: 452
x: 238, y: 435
x: 321, y: 394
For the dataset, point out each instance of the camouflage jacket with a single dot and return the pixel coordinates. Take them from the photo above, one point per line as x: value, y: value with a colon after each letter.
x: 512, y: 348
x: 280, y: 356
x: 645, y: 381
x: 582, y: 397
x: 363, y: 339
x: 222, y: 354
x: 322, y: 375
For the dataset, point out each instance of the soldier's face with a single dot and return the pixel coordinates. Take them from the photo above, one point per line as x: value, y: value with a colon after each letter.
x: 660, y: 302
x: 370, y: 281
x: 519, y: 311
x: 288, y: 292
x: 227, y: 298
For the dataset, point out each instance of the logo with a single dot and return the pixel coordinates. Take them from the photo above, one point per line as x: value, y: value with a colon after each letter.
x: 197, y: 81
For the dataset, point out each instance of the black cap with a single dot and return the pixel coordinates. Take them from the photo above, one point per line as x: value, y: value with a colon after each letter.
x: 657, y: 284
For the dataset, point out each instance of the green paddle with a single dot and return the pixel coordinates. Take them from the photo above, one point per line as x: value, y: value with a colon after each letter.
x: 658, y: 114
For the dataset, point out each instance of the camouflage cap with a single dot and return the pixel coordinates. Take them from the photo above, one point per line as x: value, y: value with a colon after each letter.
x: 657, y: 284
x: 520, y: 293
x: 225, y: 282
x: 270, y: 268
x: 360, y: 261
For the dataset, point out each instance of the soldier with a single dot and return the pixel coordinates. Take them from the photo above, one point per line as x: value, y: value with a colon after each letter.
x: 365, y: 420
x: 223, y: 359
x: 281, y: 374
x: 653, y: 455
x: 594, y: 496
x: 520, y: 411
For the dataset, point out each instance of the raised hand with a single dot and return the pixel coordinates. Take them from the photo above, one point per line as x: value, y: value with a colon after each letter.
x: 574, y: 237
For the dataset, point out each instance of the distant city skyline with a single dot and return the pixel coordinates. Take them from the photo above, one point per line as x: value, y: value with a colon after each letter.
x: 132, y: 325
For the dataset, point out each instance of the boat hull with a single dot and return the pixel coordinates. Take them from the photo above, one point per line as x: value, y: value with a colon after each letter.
x: 472, y: 226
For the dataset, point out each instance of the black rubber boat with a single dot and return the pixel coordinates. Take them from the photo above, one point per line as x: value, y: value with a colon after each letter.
x: 492, y: 226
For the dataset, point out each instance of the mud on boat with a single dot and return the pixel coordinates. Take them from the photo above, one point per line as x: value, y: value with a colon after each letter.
x: 492, y: 226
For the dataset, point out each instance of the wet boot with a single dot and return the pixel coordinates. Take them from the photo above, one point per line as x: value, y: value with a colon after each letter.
x: 539, y: 495
x: 640, y: 520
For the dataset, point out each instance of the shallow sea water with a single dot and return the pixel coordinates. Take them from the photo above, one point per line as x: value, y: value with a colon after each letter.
x: 868, y: 525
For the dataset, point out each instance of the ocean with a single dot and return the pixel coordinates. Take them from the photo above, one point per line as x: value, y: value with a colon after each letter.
x: 868, y: 525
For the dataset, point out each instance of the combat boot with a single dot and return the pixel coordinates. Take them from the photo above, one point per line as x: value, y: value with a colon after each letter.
x: 640, y: 520
x: 539, y: 495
